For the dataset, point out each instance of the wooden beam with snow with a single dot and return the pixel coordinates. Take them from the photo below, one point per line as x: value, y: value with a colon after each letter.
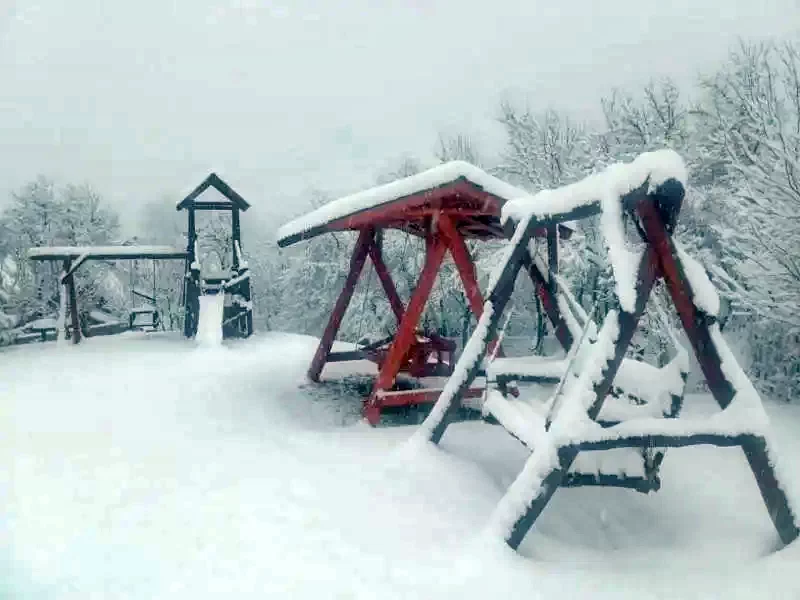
x: 104, y: 253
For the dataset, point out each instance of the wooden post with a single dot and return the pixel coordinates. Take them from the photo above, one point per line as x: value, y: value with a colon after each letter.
x: 236, y: 235
x: 73, y: 303
x: 404, y: 337
x: 191, y: 291
x: 357, y: 261
x: 552, y: 250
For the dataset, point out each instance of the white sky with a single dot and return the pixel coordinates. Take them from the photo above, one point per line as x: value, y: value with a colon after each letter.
x: 142, y: 98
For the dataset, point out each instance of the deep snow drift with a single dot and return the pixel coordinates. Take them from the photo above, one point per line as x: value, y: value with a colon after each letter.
x: 145, y: 467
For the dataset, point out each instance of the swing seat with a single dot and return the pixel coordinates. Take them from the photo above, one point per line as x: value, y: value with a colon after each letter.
x: 430, y: 355
x: 640, y: 391
x: 145, y: 318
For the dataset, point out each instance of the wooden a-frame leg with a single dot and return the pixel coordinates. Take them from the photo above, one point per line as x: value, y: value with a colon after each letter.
x: 404, y: 337
x: 376, y: 255
x: 72, y: 296
x: 545, y: 288
x: 696, y: 325
x: 335, y: 321
x: 647, y: 274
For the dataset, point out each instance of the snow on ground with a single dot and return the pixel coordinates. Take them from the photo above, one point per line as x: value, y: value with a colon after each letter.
x: 144, y: 467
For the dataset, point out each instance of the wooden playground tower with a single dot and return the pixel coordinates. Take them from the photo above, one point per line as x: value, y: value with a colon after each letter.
x: 583, y: 419
x: 237, y: 313
x: 237, y: 317
x: 445, y: 206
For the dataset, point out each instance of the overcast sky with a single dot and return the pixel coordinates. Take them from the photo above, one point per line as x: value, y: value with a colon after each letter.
x: 142, y: 98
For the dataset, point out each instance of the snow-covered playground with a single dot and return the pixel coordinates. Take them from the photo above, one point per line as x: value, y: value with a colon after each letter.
x: 153, y: 467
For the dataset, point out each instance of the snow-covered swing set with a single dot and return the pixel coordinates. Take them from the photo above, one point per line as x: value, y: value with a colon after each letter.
x: 445, y: 206
x: 584, y: 435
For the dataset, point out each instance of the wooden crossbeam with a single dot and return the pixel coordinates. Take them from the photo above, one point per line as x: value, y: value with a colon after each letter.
x: 640, y: 484
x: 662, y: 440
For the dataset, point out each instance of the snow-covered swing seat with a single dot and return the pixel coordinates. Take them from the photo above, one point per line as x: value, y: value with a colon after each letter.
x: 583, y: 435
x: 640, y: 390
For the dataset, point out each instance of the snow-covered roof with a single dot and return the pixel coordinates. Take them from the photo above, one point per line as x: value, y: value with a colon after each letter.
x: 402, y: 190
x: 231, y: 197
x: 103, y: 252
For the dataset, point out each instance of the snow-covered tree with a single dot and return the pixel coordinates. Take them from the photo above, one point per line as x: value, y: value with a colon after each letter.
x: 752, y: 111
x: 40, y: 214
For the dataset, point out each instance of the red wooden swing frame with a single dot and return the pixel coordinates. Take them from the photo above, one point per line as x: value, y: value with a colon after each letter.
x: 445, y: 217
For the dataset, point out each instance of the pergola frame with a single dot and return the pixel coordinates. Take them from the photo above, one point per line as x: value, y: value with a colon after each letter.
x: 445, y: 216
x: 655, y: 213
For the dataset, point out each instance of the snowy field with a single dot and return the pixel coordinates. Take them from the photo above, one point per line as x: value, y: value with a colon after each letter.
x: 148, y: 467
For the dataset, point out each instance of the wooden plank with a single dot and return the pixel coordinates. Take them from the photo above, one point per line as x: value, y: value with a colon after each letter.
x: 357, y: 261
x: 347, y: 356
x: 664, y: 441
x: 404, y: 337
x: 220, y: 206
x: 640, y: 484
x: 419, y: 396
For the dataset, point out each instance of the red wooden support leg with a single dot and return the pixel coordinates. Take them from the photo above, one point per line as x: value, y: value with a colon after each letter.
x: 357, y: 261
x: 407, y: 328
x: 376, y: 254
x: 466, y: 270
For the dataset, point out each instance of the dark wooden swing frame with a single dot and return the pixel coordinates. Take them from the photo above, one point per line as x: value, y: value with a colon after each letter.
x: 72, y: 258
x: 445, y: 217
x: 655, y: 212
